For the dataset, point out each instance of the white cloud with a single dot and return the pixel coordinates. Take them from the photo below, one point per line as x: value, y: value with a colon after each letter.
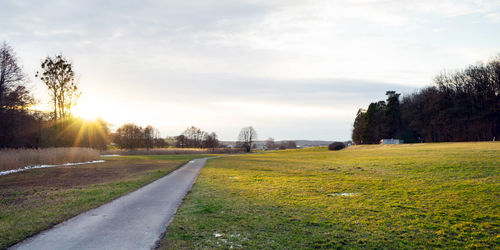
x: 280, y: 110
x: 493, y: 17
x: 268, y: 53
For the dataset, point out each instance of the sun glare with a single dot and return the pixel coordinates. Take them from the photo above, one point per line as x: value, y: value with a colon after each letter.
x: 87, y: 111
x: 108, y: 110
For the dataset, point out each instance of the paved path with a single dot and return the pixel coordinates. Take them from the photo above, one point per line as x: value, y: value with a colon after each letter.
x: 133, y: 221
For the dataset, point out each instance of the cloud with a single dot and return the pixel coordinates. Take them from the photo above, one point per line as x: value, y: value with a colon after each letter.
x: 282, y: 39
x: 225, y: 103
x: 493, y: 17
x: 215, y: 57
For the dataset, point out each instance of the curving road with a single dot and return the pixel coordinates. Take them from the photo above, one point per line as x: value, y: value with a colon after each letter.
x: 134, y: 221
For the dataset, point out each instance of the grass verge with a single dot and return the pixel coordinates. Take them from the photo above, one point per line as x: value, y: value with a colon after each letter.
x: 37, y: 199
x: 443, y: 195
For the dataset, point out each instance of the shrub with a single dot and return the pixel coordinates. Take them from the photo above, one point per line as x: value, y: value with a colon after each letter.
x: 336, y: 146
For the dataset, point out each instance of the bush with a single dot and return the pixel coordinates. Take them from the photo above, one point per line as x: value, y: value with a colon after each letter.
x: 336, y: 146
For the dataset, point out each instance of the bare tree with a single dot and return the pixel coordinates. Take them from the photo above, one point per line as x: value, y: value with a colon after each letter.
x: 58, y: 75
x: 246, y: 138
x: 129, y: 136
x: 211, y: 141
x: 270, y: 143
x: 12, y: 94
x: 180, y: 141
x: 194, y: 137
x: 16, y: 122
x: 150, y: 134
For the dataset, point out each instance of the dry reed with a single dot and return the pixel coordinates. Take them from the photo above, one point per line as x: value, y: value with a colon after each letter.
x: 19, y: 158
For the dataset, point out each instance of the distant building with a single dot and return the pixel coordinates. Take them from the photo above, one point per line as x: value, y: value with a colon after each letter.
x: 391, y: 141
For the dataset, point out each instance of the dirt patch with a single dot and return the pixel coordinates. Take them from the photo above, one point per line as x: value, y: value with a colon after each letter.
x: 68, y: 177
x: 34, y: 200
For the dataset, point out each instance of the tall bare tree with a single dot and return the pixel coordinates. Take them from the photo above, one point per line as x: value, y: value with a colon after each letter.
x: 12, y: 95
x: 57, y: 73
x: 15, y: 120
x: 151, y: 135
x: 247, y: 137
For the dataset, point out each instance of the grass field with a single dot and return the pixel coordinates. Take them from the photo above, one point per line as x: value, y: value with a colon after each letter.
x: 34, y: 200
x: 444, y: 195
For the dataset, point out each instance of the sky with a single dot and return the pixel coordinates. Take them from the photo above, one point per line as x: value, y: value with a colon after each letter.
x: 291, y: 69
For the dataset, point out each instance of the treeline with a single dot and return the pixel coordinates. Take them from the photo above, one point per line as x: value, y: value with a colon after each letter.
x: 194, y: 137
x: 23, y: 127
x: 31, y: 129
x: 460, y: 106
x: 270, y: 144
x: 130, y: 136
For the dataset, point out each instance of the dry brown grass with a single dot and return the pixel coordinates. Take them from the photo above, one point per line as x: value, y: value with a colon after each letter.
x: 19, y: 158
x: 173, y: 151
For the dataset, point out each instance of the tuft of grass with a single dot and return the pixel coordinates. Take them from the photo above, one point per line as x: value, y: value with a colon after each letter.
x: 18, y: 158
x: 442, y: 195
x: 35, y: 200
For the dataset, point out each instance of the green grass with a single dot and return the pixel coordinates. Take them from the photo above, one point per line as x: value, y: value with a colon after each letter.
x: 35, y: 200
x: 443, y: 195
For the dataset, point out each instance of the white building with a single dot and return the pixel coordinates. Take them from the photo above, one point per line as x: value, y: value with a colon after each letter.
x: 391, y: 141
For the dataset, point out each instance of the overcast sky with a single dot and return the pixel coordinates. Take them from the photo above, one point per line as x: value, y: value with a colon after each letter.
x: 292, y: 69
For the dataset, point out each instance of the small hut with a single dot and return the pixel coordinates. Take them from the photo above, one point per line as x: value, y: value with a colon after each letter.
x: 391, y: 141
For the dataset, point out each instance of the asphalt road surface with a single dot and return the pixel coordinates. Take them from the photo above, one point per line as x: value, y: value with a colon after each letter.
x: 134, y: 221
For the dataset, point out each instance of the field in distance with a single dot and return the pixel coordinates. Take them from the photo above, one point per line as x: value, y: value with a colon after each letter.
x: 34, y: 200
x: 391, y: 196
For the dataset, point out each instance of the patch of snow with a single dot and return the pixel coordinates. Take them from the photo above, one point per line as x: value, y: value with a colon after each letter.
x: 110, y: 155
x: 191, y: 161
x: 344, y: 194
x: 231, y: 241
x: 47, y: 166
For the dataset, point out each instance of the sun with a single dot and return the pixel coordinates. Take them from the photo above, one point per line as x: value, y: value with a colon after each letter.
x: 109, y: 111
x: 88, y: 111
